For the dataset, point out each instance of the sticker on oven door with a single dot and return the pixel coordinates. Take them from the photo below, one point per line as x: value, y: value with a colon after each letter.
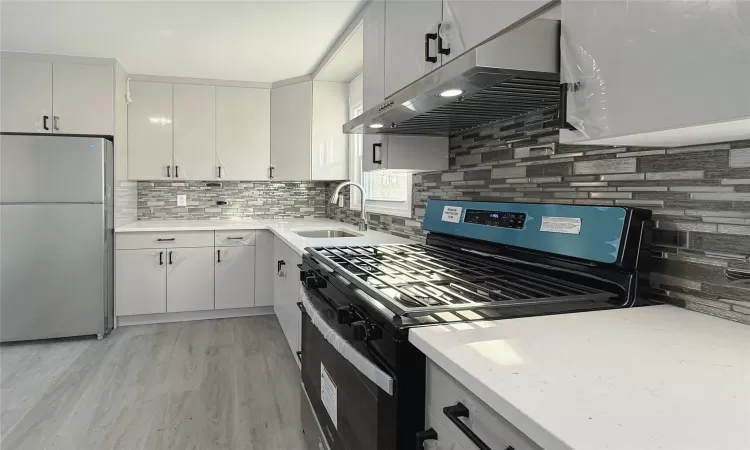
x: 452, y: 214
x: 567, y: 225
x: 329, y: 395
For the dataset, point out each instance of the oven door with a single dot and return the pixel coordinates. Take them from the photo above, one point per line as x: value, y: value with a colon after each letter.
x: 354, y: 398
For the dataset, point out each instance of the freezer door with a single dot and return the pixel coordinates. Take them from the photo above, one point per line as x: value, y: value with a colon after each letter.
x: 51, y: 169
x: 53, y: 271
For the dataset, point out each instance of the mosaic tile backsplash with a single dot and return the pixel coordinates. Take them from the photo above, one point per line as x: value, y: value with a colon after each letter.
x: 700, y: 197
x: 251, y: 199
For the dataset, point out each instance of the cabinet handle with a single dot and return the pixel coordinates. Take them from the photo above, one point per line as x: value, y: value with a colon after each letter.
x: 218, y: 256
x: 165, y: 240
x: 425, y: 435
x: 177, y: 171
x: 44, y: 122
x: 279, y: 265
x: 169, y: 175
x: 219, y: 171
x: 427, y: 38
x: 459, y: 410
x: 378, y: 160
x: 161, y: 258
x: 55, y: 120
x: 170, y: 257
x: 442, y: 50
x: 238, y: 238
x: 299, y: 356
x: 270, y: 172
x: 563, y: 110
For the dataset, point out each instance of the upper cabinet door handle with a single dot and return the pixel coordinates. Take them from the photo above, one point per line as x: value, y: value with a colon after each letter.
x: 427, y: 38
x: 169, y: 173
x: 219, y: 171
x: 270, y: 172
x: 442, y: 50
x: 379, y: 159
x: 177, y: 171
x: 55, y: 123
x: 44, y: 122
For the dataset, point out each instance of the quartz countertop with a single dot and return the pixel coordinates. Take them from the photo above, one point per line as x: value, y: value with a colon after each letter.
x: 655, y: 377
x: 283, y: 228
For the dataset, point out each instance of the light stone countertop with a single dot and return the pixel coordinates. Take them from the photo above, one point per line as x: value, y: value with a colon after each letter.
x: 655, y: 377
x: 283, y: 228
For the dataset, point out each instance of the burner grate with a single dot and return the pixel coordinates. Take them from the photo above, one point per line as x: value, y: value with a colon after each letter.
x: 418, y: 280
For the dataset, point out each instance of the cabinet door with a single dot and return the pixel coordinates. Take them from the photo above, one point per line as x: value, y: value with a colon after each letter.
x: 330, y: 146
x: 141, y: 281
x: 265, y: 274
x: 194, y: 132
x: 83, y: 98
x: 150, y: 131
x: 234, y: 270
x: 406, y: 24
x: 26, y: 91
x: 373, y: 62
x: 417, y: 153
x: 243, y: 133
x: 467, y: 23
x: 291, y: 127
x: 190, y: 279
x: 286, y: 292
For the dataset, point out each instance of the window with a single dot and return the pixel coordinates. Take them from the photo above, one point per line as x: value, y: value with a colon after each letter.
x: 388, y: 191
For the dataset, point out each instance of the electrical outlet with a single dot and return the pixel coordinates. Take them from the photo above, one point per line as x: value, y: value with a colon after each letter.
x: 182, y: 200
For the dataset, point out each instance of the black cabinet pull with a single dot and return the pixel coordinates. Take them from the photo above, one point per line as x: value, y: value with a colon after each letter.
x: 279, y: 265
x: 170, y: 257
x: 239, y: 238
x: 218, y: 256
x: 425, y: 435
x: 161, y: 258
x: 301, y: 307
x: 270, y: 172
x: 169, y: 175
x: 219, y: 171
x: 378, y: 160
x: 299, y: 356
x: 427, y: 38
x: 44, y: 122
x: 459, y: 410
x: 165, y: 239
x: 442, y: 50
x: 55, y: 120
x: 177, y: 171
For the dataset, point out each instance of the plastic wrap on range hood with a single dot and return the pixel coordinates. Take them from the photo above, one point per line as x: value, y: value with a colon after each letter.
x: 512, y: 75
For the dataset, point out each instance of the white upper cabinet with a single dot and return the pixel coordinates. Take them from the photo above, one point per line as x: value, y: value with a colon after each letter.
x: 410, y: 41
x: 646, y: 70
x: 150, y: 131
x: 291, y: 131
x: 467, y: 23
x: 330, y: 146
x: 83, y: 99
x: 243, y: 133
x: 373, y: 58
x: 26, y: 96
x: 194, y: 132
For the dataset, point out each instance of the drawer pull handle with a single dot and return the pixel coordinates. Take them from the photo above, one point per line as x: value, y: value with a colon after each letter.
x: 425, y: 435
x: 454, y: 413
x: 165, y: 240
x: 236, y: 238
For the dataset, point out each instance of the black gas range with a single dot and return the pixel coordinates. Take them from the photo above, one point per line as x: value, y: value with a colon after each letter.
x: 481, y: 261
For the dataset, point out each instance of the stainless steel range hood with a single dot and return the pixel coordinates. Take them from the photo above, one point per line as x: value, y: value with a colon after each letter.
x: 512, y: 75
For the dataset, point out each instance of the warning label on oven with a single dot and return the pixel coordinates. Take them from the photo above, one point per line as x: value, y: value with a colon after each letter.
x: 567, y: 225
x: 452, y: 214
x: 329, y: 394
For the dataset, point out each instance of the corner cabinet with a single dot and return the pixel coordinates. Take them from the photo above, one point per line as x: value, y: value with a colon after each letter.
x: 43, y: 94
x: 640, y: 73
x: 307, y: 142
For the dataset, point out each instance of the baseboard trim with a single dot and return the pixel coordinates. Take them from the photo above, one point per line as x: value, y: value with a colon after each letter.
x: 186, y: 316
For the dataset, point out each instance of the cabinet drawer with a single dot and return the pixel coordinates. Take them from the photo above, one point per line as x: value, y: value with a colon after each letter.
x: 494, y: 430
x: 235, y: 238
x: 125, y: 241
x: 445, y: 440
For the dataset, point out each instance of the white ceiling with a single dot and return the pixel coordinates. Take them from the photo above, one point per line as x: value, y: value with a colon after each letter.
x: 347, y: 62
x: 262, y: 41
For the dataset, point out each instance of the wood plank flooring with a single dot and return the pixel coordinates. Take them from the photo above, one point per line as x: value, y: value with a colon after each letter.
x: 213, y: 384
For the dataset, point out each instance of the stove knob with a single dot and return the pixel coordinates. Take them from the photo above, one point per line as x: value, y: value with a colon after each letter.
x: 359, y: 329
x: 343, y: 316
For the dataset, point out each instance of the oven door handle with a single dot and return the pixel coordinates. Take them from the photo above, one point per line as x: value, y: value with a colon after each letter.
x: 366, y: 367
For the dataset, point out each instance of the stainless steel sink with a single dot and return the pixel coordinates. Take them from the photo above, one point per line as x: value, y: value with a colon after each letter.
x: 326, y: 233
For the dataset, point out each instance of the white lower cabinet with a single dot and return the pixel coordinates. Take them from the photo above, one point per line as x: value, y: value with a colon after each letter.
x: 286, y: 293
x: 141, y: 282
x: 234, y: 277
x: 265, y: 272
x: 190, y: 279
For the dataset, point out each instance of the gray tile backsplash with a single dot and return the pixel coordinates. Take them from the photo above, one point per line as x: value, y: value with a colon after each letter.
x: 251, y: 199
x: 700, y: 197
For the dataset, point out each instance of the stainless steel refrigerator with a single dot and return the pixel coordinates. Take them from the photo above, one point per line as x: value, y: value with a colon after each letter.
x: 56, y: 237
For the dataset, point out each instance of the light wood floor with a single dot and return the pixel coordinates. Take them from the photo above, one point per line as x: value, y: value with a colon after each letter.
x: 214, y: 384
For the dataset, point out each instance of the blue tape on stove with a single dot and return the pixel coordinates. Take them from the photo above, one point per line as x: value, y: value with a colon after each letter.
x: 588, y: 232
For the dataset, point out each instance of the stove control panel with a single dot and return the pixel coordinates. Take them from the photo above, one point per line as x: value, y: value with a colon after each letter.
x: 500, y: 219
